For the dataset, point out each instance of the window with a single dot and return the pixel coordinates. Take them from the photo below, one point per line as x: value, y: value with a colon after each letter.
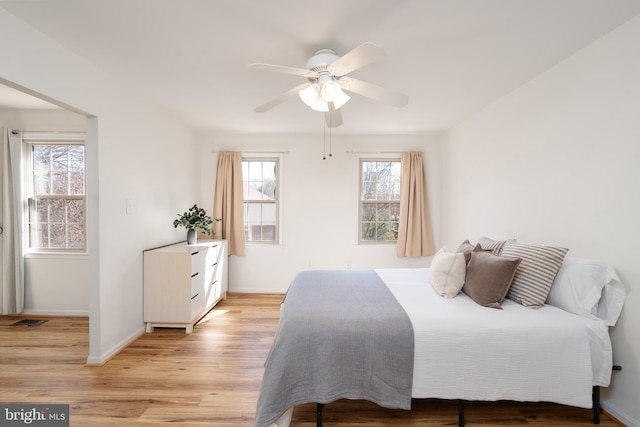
x: 260, y: 188
x: 55, y: 196
x: 379, y: 200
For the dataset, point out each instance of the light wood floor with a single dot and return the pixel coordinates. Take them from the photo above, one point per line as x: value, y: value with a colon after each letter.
x: 209, y: 378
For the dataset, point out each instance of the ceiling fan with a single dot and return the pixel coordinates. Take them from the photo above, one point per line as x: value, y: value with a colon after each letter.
x: 327, y: 80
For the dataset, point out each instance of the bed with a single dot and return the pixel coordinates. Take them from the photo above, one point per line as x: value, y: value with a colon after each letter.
x: 454, y: 348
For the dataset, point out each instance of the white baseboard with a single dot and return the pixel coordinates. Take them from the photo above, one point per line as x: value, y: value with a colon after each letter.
x: 115, y: 349
x: 258, y: 290
x: 60, y: 313
x: 619, y: 415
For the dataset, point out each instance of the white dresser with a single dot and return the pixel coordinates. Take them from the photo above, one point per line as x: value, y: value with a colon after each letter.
x: 183, y: 282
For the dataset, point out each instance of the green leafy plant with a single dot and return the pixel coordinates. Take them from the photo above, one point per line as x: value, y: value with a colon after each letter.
x: 195, y: 219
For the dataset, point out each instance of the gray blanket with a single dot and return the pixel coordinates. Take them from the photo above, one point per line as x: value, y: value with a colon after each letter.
x: 341, y: 334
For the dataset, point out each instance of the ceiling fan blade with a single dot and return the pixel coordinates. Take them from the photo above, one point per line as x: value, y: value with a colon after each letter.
x: 333, y: 117
x: 291, y: 93
x: 283, y: 69
x: 362, y: 55
x: 374, y: 92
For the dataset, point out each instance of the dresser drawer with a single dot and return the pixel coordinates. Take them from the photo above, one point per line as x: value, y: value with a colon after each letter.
x: 197, y: 304
x: 198, y: 259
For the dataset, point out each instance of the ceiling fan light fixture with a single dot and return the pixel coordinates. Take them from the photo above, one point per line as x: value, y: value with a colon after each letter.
x: 311, y: 96
x: 331, y: 91
x: 340, y: 99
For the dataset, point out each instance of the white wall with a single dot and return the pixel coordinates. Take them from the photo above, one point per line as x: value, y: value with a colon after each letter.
x: 54, y: 284
x: 320, y: 210
x: 555, y: 163
x: 135, y: 150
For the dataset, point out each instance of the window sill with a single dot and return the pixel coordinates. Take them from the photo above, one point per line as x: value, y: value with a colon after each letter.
x: 56, y: 255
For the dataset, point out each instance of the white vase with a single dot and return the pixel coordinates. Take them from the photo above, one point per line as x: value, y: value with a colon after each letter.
x: 192, y: 237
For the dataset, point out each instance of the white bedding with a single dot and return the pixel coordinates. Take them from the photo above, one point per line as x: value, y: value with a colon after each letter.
x: 466, y: 351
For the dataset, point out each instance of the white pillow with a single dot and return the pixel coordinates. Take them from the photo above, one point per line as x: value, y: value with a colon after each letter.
x: 589, y: 288
x: 447, y: 273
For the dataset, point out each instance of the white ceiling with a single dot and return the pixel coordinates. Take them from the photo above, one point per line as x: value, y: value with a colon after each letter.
x: 452, y: 57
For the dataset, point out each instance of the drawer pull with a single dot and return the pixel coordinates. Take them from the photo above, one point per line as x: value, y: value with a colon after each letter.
x: 195, y: 274
x: 195, y: 253
x: 195, y: 296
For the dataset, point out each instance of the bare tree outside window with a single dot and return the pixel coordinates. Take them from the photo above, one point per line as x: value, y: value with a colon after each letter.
x: 56, y: 215
x: 379, y: 200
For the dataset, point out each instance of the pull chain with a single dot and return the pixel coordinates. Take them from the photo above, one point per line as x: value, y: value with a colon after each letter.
x: 324, y: 138
x: 324, y: 135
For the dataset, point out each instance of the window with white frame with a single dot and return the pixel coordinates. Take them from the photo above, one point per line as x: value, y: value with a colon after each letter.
x: 260, y: 177
x: 55, y: 195
x: 379, y: 200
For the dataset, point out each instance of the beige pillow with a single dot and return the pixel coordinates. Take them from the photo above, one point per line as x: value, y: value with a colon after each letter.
x: 447, y: 273
x: 466, y: 248
x: 489, y: 277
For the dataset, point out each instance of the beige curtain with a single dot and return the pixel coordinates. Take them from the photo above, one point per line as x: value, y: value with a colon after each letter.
x: 228, y: 202
x: 414, y: 231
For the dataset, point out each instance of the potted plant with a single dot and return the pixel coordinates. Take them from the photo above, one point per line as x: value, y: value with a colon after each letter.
x: 193, y: 220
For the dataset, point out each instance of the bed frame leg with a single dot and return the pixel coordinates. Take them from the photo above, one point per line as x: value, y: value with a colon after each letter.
x: 319, y: 407
x: 460, y: 413
x: 595, y: 396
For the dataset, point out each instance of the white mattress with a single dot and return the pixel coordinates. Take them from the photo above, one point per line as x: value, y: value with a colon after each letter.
x: 466, y: 351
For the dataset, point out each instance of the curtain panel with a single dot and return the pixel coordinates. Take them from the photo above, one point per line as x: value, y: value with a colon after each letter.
x: 11, y: 259
x: 415, y: 236
x: 229, y: 201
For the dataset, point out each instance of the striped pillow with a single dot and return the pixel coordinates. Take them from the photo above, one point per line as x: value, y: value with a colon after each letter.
x: 533, y: 279
x: 494, y: 246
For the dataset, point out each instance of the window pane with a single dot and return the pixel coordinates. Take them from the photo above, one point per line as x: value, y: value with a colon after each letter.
x: 57, y: 211
x: 42, y: 236
x: 269, y: 233
x: 75, y: 236
x: 41, y: 158
x: 383, y: 213
x: 380, y: 200
x: 59, y: 161
x: 268, y: 214
x: 384, y: 191
x: 368, y: 231
x: 368, y: 212
x: 269, y: 180
x: 57, y: 238
x: 260, y: 194
x: 76, y: 183
x: 60, y: 183
x: 41, y: 184
x: 57, y: 222
x: 76, y: 158
x: 42, y: 210
x: 396, y: 171
x: 369, y: 191
x: 75, y: 211
x: 394, y: 209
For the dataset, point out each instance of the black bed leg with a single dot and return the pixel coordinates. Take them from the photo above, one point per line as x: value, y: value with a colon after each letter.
x: 460, y: 413
x: 595, y: 397
x: 319, y: 407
